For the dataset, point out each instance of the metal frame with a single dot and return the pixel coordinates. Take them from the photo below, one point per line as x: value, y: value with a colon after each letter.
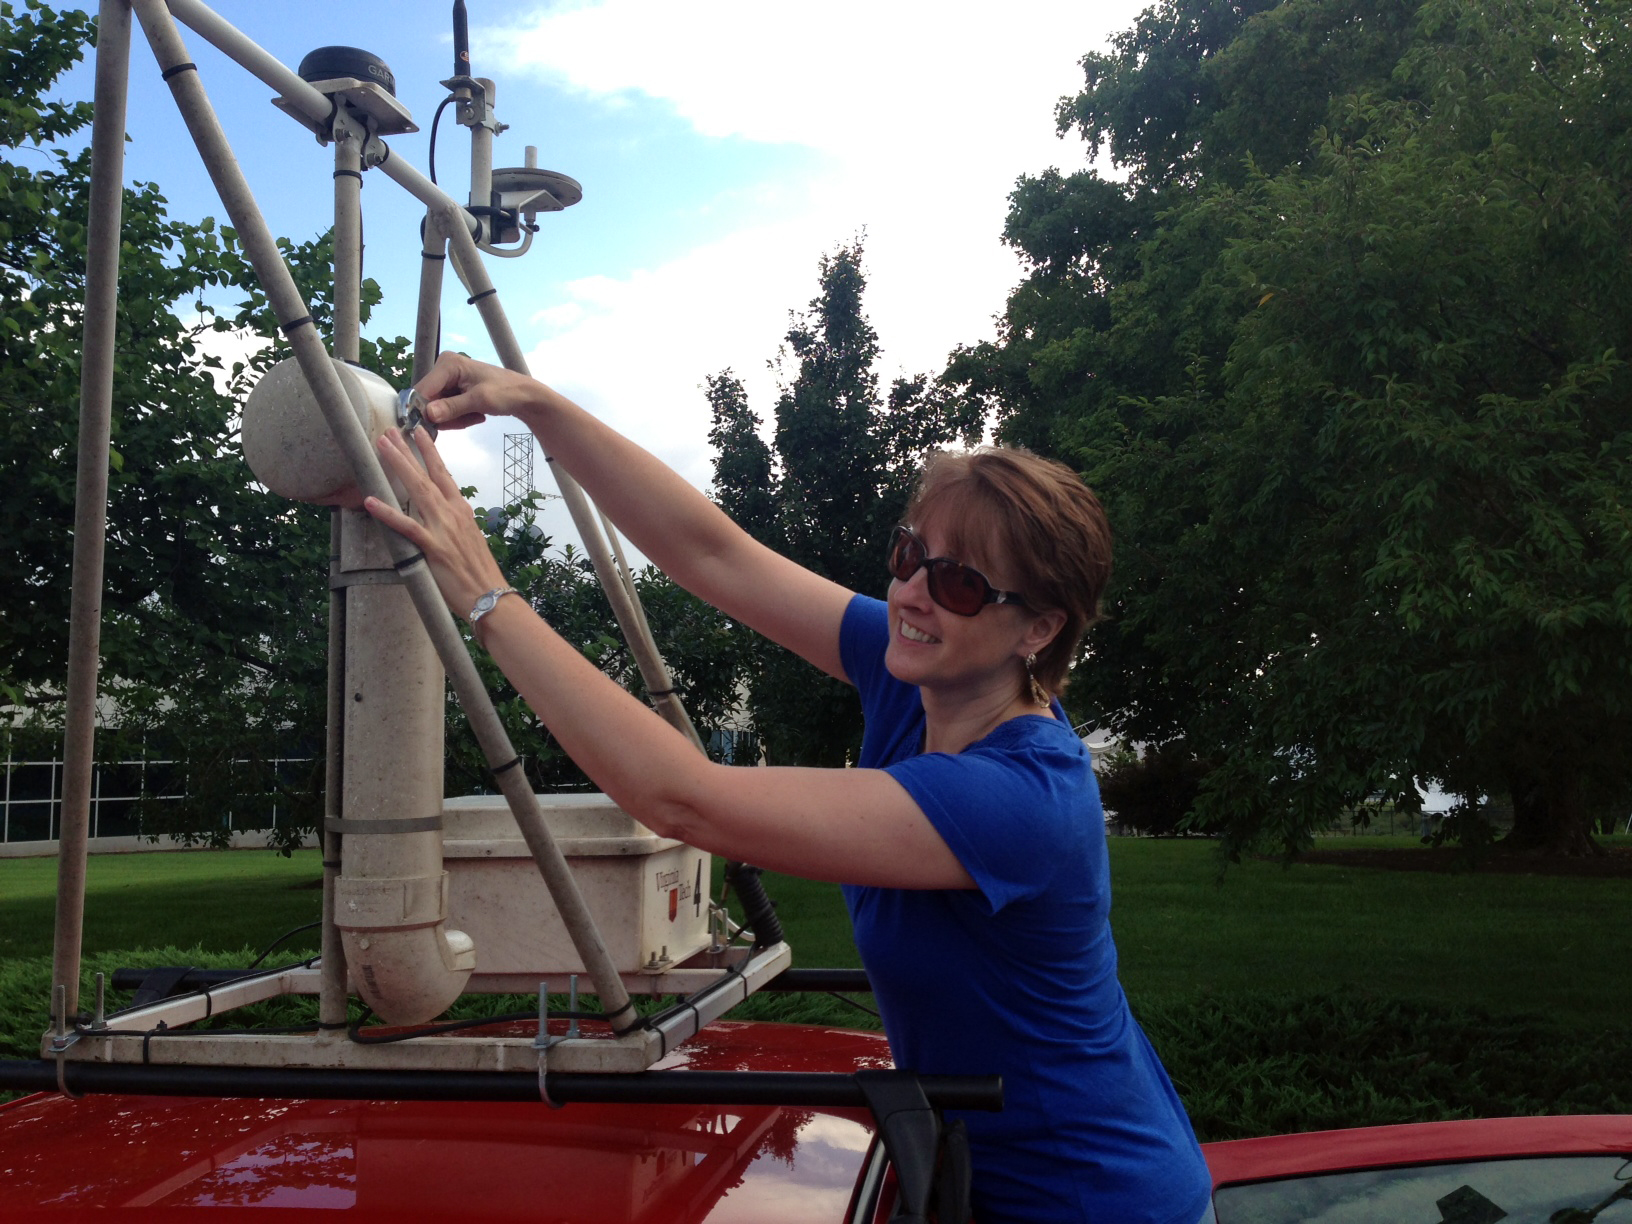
x: 353, y: 125
x: 518, y: 467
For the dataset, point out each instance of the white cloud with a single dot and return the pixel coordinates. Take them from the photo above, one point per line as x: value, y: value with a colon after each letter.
x: 837, y: 76
x: 923, y: 115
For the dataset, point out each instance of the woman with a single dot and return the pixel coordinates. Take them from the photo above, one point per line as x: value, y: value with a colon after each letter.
x: 970, y: 841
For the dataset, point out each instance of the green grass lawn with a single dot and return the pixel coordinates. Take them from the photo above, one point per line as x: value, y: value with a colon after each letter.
x: 1546, y: 945
x: 1543, y: 945
x: 1281, y: 998
x: 1508, y: 943
x: 216, y: 900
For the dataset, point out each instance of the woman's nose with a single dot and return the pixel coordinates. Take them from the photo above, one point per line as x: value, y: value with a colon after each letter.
x: 915, y: 590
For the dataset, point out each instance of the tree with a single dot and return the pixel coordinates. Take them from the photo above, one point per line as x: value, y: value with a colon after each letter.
x: 705, y: 656
x: 212, y: 645
x: 1346, y: 376
x: 1154, y: 794
x: 827, y: 490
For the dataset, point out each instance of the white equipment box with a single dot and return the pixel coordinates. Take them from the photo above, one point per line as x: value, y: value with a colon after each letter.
x: 647, y: 894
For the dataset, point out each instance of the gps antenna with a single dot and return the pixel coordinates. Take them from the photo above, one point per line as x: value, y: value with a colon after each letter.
x: 461, y: 40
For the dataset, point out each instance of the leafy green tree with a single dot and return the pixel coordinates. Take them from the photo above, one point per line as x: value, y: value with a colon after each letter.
x: 705, y: 656
x: 826, y: 490
x: 213, y: 643
x: 1348, y: 378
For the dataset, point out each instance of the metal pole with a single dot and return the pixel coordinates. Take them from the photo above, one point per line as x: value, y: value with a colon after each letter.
x: 271, y: 71
x: 91, y: 489
x: 809, y: 1089
x: 624, y: 572
x: 262, y: 64
x: 348, y: 258
x: 326, y: 387
x: 428, y: 322
x: 331, y: 1005
x: 467, y: 261
x: 348, y: 241
x: 481, y: 153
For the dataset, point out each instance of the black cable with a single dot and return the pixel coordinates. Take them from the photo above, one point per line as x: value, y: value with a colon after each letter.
x: 271, y: 947
x: 204, y: 993
x: 436, y: 119
x: 758, y: 910
x: 861, y: 1007
x: 354, y: 1031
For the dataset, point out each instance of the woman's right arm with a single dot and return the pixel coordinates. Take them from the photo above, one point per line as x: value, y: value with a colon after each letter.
x: 684, y: 534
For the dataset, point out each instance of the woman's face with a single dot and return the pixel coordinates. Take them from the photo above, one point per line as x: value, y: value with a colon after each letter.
x: 934, y: 648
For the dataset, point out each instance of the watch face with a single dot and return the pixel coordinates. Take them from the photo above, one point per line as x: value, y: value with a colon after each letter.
x: 486, y: 602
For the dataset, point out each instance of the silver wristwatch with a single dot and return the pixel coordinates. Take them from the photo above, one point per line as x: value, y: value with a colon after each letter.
x: 488, y: 602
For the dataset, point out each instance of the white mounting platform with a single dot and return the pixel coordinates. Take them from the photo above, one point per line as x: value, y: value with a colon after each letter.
x: 129, y: 1037
x: 366, y: 98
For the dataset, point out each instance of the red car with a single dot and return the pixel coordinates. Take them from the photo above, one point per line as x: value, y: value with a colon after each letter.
x: 1567, y: 1170
x: 152, y: 1157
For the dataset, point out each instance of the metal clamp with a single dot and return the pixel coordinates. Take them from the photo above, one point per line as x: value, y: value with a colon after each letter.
x: 61, y: 1039
x: 543, y: 1042
x: 411, y: 413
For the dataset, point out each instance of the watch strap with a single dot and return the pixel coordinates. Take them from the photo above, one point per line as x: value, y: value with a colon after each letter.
x: 488, y: 602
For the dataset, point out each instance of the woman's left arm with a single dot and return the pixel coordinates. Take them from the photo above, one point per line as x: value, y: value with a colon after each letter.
x: 857, y: 826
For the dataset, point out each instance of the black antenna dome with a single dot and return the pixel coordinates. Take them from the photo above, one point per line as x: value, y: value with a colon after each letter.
x: 328, y: 63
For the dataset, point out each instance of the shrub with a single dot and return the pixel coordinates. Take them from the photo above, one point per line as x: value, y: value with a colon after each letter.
x: 1154, y: 794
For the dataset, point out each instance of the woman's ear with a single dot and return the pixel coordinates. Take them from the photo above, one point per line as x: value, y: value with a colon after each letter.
x: 1043, y: 629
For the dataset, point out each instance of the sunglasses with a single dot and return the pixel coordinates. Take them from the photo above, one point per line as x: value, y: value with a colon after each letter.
x: 954, y: 586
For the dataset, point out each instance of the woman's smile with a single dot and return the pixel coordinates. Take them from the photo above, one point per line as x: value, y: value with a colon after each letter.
x: 913, y: 634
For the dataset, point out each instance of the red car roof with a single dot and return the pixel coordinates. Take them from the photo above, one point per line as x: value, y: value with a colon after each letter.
x: 152, y: 1157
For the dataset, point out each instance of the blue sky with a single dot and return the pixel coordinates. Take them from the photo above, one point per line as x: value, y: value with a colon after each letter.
x: 722, y: 145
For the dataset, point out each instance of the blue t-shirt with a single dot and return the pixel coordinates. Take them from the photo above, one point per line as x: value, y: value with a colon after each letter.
x: 1017, y: 976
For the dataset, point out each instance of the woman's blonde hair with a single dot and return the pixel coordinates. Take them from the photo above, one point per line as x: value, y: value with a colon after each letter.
x: 1004, y: 506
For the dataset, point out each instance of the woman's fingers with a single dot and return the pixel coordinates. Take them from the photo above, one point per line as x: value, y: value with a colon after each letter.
x: 442, y: 526
x: 398, y: 462
x: 434, y: 467
x: 397, y: 521
x: 454, y: 391
x: 444, y: 376
x: 461, y: 392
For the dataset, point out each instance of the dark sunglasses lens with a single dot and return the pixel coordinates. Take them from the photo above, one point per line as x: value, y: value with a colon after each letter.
x: 957, y: 588
x: 906, y: 554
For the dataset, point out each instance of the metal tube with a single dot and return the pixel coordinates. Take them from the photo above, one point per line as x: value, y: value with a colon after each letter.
x: 348, y: 166
x: 258, y: 62
x: 320, y: 374
x: 91, y: 487
x: 348, y: 240
x: 481, y: 158
x: 428, y: 322
x: 331, y: 1006
x: 802, y: 980
x: 468, y: 263
x: 399, y: 171
x: 790, y: 981
x: 628, y: 579
x: 807, y: 1089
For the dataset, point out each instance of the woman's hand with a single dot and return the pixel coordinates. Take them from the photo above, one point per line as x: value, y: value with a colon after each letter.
x: 464, y: 392
x: 443, y: 527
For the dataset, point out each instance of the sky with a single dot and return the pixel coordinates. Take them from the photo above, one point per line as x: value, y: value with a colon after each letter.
x: 723, y: 147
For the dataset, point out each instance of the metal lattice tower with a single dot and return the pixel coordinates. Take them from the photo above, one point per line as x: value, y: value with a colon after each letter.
x: 518, y: 467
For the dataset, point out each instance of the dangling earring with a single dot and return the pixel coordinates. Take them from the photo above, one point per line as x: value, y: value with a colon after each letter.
x: 1039, y: 695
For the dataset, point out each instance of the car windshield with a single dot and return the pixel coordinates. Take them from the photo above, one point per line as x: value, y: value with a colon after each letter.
x: 1529, y: 1190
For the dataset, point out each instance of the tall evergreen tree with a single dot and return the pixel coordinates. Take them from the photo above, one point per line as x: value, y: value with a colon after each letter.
x: 826, y: 491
